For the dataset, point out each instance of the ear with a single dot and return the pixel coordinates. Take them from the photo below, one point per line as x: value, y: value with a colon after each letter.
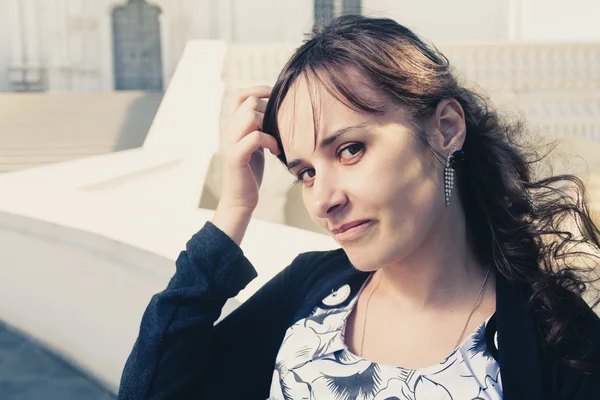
x: 449, y: 126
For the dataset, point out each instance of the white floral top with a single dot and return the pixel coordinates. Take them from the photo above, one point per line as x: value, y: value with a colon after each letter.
x: 314, y: 363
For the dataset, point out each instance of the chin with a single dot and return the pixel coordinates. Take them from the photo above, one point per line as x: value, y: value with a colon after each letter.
x: 362, y: 261
x: 373, y: 258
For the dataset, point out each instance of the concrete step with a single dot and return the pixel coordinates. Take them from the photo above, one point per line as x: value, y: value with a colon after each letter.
x: 40, y: 128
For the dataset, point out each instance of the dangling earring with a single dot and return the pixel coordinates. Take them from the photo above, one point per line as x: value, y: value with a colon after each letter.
x: 453, y: 162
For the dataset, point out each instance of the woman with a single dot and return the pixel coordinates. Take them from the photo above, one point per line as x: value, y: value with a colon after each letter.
x: 455, y: 279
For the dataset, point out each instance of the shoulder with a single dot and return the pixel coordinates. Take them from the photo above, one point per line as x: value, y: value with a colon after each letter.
x: 554, y: 323
x: 306, y: 269
x: 313, y: 269
x: 573, y: 337
x: 576, y: 372
x: 313, y: 276
x: 320, y: 263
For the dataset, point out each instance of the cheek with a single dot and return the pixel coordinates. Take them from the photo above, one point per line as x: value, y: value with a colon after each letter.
x: 410, y: 188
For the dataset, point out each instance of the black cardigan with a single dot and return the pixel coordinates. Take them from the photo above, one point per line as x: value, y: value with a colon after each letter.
x: 181, y: 354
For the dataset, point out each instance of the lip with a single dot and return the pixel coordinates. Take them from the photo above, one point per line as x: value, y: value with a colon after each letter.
x: 345, y: 227
x: 351, y: 230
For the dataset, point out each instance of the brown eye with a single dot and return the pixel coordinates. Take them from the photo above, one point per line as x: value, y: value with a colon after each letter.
x: 301, y: 175
x: 350, y: 151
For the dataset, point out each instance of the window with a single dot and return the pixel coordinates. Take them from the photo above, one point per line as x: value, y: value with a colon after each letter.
x: 327, y: 10
x: 137, y: 52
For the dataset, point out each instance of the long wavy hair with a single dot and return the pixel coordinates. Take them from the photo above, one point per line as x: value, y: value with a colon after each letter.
x: 536, y: 231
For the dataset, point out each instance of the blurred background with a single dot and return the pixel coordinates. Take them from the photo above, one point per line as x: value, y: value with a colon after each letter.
x: 110, y: 112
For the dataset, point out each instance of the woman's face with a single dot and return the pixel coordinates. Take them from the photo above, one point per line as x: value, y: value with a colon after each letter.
x: 366, y: 169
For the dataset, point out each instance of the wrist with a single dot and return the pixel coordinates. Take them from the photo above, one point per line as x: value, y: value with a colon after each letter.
x: 232, y: 221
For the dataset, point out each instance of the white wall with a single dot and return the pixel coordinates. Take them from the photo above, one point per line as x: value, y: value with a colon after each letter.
x: 73, y: 38
x: 560, y: 20
x: 271, y: 20
x: 5, y: 51
x: 447, y: 21
x: 495, y: 20
x: 83, y: 304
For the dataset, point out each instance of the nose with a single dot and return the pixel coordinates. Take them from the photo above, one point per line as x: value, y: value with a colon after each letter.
x: 326, y: 196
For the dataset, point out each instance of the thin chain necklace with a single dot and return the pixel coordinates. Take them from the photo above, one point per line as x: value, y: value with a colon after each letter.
x: 363, y: 335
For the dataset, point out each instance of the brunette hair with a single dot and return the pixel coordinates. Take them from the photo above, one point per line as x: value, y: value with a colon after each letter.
x: 533, y: 231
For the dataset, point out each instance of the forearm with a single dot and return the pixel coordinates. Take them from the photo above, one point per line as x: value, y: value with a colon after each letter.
x: 174, y: 347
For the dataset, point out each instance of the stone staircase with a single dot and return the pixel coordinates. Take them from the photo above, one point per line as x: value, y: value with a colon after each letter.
x: 40, y: 128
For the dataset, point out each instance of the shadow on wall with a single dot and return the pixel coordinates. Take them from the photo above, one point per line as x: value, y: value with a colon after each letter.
x: 137, y: 121
x: 208, y: 198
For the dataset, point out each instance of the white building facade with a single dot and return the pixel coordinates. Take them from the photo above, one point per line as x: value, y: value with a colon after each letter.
x: 106, y: 45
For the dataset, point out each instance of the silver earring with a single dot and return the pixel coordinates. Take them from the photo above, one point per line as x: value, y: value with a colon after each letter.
x: 453, y: 162
x: 448, y: 180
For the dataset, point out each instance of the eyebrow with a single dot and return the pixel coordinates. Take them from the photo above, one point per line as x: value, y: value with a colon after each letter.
x: 328, y: 141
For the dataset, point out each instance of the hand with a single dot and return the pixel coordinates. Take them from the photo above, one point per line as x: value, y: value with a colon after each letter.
x: 242, y: 147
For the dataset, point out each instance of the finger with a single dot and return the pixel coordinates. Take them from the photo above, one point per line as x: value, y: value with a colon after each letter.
x: 242, y: 123
x: 260, y: 92
x: 247, y: 121
x: 261, y: 106
x: 254, y: 103
x: 251, y: 143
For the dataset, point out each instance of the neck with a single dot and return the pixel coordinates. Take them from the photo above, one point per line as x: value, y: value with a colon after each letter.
x: 443, y: 273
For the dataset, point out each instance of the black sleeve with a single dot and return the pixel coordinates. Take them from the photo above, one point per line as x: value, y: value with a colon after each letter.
x: 181, y: 354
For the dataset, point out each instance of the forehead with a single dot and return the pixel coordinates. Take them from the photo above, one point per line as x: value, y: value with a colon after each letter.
x: 310, y: 109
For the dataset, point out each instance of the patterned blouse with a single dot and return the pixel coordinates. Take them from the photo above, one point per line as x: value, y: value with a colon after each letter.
x: 314, y: 363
